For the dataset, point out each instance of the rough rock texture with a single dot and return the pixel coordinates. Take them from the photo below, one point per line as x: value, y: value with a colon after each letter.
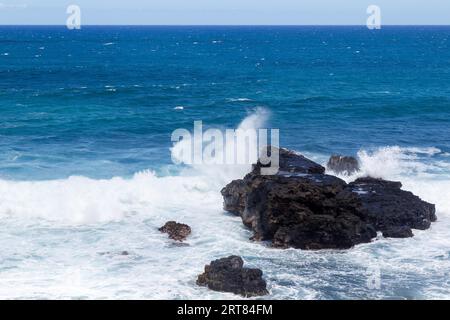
x: 307, y: 212
x: 229, y: 275
x: 234, y: 195
x: 177, y: 231
x: 398, y: 232
x: 389, y: 206
x: 303, y: 208
x: 343, y: 165
x: 289, y: 162
x: 292, y: 162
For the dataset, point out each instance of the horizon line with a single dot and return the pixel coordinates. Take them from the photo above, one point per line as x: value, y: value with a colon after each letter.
x: 225, y: 25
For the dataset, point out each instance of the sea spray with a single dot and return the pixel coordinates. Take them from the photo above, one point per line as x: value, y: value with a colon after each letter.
x: 81, y: 200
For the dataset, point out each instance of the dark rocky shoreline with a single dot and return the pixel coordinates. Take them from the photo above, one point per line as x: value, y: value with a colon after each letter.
x: 302, y: 207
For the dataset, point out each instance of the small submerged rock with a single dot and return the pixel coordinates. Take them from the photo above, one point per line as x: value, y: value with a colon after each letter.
x: 343, y: 165
x: 177, y: 231
x: 121, y: 253
x: 229, y: 275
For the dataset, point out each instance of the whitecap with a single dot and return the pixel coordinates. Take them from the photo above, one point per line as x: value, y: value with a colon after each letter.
x: 239, y: 99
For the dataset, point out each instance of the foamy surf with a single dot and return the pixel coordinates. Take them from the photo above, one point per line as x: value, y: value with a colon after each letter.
x: 64, y: 238
x: 419, y: 170
x: 81, y: 200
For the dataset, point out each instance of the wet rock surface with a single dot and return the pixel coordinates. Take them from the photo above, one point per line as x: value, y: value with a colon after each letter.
x: 343, y: 165
x: 176, y: 231
x: 398, y: 232
x: 307, y: 212
x: 387, y: 205
x: 229, y: 275
x: 291, y: 162
x: 304, y: 208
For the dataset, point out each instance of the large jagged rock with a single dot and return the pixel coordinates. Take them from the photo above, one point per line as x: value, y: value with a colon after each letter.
x: 229, y: 275
x: 303, y: 208
x: 343, y: 165
x: 289, y: 162
x: 307, y: 212
x: 389, y: 206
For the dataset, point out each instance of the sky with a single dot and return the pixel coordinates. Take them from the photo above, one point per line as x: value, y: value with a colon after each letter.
x: 225, y: 12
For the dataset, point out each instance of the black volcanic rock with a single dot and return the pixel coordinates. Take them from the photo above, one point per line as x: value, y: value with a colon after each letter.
x: 398, y: 232
x: 290, y: 161
x: 307, y: 212
x: 389, y: 206
x: 177, y: 231
x: 302, y: 207
x: 299, y: 207
x: 343, y: 165
x: 234, y: 195
x: 229, y: 275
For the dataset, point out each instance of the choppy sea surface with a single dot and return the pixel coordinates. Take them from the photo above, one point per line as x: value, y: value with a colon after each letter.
x: 86, y: 118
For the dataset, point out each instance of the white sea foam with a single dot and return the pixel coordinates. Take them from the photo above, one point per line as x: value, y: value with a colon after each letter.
x: 55, y: 234
x: 80, y: 200
x: 63, y: 238
x: 239, y: 99
x: 415, y: 167
x: 220, y: 175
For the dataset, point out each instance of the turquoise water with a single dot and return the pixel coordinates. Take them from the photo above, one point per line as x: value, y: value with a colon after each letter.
x: 85, y: 165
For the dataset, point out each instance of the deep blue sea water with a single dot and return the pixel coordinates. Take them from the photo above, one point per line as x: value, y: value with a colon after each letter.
x: 100, y: 101
x: 85, y: 167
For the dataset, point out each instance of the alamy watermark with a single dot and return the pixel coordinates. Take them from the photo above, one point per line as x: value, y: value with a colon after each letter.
x: 74, y: 19
x: 373, y: 273
x: 227, y: 147
x: 374, y: 20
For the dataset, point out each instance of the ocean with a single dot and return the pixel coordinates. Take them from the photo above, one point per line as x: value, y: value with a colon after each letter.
x: 86, y: 173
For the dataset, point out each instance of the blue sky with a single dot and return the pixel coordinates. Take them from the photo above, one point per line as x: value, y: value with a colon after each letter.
x: 157, y: 12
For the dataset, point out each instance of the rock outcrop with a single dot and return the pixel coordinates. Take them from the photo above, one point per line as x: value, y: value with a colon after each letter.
x: 177, y: 231
x: 302, y: 207
x: 343, y: 165
x: 398, y: 232
x: 291, y: 162
x: 389, y: 206
x: 307, y: 212
x: 229, y: 275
